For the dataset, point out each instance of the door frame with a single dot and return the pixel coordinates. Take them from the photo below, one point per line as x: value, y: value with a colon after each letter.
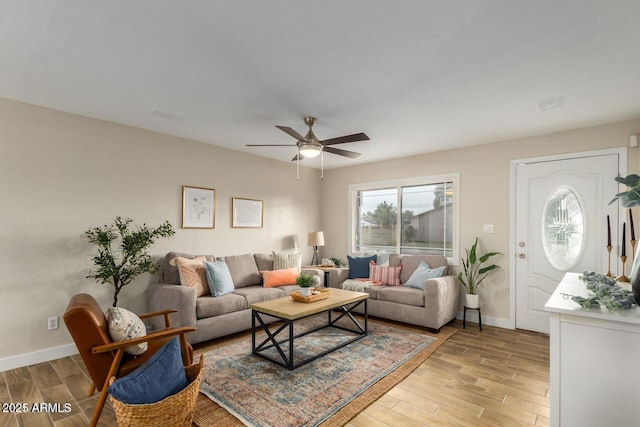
x: 622, y: 169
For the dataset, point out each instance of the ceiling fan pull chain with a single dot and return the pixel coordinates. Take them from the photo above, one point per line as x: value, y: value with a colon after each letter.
x: 298, y: 167
x: 322, y: 165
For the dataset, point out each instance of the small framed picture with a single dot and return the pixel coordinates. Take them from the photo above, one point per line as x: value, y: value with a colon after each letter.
x: 247, y: 213
x: 198, y: 207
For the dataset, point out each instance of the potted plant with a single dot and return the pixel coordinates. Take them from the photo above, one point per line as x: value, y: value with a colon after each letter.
x: 121, y: 264
x: 305, y: 281
x: 474, y: 273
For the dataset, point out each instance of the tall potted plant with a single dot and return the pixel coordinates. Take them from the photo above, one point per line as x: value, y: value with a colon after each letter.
x: 119, y: 265
x: 474, y: 273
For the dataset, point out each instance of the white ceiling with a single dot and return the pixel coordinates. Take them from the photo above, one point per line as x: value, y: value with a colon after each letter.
x: 416, y: 76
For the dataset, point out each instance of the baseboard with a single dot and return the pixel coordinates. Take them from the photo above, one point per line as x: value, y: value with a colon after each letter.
x: 46, y: 355
x: 472, y: 316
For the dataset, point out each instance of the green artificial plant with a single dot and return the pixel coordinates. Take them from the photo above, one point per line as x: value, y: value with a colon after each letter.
x: 120, y: 264
x: 631, y: 197
x: 305, y: 280
x: 474, y: 272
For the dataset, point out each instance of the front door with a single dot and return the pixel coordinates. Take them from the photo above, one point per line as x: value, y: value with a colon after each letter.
x: 561, y: 226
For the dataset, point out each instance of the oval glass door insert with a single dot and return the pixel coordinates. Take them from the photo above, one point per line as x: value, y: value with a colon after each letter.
x: 563, y: 228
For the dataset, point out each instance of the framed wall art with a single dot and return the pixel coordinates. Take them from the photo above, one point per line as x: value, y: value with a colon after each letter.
x: 198, y: 207
x: 247, y: 213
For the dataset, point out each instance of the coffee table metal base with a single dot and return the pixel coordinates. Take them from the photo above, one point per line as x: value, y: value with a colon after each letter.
x: 287, y: 355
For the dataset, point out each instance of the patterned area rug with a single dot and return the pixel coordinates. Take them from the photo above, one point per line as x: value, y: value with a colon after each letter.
x: 329, y: 391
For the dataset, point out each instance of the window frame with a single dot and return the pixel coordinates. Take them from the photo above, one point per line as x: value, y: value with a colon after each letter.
x: 398, y: 184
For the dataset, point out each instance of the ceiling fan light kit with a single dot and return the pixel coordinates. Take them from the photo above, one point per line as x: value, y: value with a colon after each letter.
x: 309, y: 146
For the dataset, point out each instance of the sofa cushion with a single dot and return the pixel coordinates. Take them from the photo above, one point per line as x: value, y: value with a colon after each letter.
x: 124, y: 325
x: 159, y: 377
x: 273, y: 278
x: 218, y: 278
x: 192, y: 274
x: 264, y: 262
x: 401, y: 295
x: 387, y: 275
x: 243, y: 269
x: 423, y: 272
x: 215, y: 306
x: 169, y: 274
x: 411, y: 262
x: 282, y: 260
x: 359, y: 266
x: 255, y: 294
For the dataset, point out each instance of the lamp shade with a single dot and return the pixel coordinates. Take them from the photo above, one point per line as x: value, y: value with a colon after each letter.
x: 316, y: 238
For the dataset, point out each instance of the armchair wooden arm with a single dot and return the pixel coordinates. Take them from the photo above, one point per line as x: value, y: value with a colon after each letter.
x: 165, y: 313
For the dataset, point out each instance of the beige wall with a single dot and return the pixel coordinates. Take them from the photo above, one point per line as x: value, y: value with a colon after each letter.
x: 61, y: 174
x: 484, y: 192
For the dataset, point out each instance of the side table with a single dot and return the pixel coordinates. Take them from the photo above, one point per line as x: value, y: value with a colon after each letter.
x: 326, y: 270
x: 464, y: 317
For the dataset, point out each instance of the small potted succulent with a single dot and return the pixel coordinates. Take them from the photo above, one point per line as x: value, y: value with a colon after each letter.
x: 305, y: 281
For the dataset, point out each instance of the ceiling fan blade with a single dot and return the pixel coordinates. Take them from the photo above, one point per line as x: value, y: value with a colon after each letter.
x: 271, y: 145
x: 291, y: 132
x: 344, y: 139
x: 340, y: 152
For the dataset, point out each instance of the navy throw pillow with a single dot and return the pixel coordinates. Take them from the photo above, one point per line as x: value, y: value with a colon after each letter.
x: 359, y: 266
x: 159, y: 377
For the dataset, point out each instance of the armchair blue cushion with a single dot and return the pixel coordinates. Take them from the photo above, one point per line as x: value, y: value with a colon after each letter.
x: 159, y: 377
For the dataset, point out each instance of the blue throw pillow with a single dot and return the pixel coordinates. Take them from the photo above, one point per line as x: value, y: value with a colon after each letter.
x: 359, y: 266
x: 423, y: 273
x: 219, y: 278
x: 159, y: 377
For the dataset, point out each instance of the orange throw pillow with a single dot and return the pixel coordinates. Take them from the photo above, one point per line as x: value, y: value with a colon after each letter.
x: 273, y: 278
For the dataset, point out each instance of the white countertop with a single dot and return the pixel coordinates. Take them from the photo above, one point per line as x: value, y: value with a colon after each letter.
x: 571, y: 285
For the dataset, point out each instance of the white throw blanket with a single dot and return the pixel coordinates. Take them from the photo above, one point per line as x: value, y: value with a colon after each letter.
x: 357, y: 285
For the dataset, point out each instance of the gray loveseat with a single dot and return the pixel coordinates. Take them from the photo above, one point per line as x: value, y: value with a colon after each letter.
x: 432, y: 307
x: 217, y: 316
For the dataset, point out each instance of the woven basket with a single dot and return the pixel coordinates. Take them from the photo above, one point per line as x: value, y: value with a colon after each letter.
x: 175, y: 410
x: 323, y: 294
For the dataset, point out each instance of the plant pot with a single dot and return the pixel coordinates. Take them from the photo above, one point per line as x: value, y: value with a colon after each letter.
x: 305, y: 292
x: 471, y: 300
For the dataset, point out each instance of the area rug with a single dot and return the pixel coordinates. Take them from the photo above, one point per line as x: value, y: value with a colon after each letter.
x: 247, y: 389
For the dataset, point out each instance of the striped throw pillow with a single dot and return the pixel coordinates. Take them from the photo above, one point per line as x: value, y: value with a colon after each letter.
x: 282, y: 260
x: 387, y: 275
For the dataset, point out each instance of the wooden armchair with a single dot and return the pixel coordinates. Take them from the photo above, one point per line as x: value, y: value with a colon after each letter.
x: 104, y: 358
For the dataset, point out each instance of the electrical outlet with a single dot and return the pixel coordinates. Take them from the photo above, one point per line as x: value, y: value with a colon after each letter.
x: 488, y: 229
x: 52, y: 323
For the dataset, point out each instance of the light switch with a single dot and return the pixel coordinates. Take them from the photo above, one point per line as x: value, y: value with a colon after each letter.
x: 488, y: 229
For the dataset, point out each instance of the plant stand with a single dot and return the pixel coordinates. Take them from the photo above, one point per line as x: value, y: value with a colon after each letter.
x: 464, y: 317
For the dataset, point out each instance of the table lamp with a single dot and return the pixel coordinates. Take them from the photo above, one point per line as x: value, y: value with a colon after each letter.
x: 315, y: 239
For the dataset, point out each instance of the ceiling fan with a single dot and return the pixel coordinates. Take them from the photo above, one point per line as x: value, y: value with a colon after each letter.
x: 310, y: 146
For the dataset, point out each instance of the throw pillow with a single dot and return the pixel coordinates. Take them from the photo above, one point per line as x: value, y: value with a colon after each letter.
x: 283, y: 260
x: 158, y: 378
x: 124, y: 325
x: 285, y: 276
x: 218, y: 278
x: 387, y: 275
x: 423, y: 273
x: 193, y: 274
x: 359, y: 266
x: 382, y: 257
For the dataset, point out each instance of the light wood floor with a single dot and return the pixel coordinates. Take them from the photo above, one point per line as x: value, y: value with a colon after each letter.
x: 496, y: 377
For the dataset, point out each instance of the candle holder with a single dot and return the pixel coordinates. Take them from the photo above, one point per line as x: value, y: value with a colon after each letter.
x: 609, y: 249
x: 623, y: 278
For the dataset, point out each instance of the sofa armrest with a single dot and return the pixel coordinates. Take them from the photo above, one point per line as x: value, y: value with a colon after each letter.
x: 176, y: 297
x: 337, y: 276
x: 441, y: 300
x: 315, y: 272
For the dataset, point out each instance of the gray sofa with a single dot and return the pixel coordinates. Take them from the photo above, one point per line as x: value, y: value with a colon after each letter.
x: 432, y: 307
x: 217, y: 316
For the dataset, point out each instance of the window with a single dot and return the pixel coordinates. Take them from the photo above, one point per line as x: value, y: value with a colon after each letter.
x: 411, y: 216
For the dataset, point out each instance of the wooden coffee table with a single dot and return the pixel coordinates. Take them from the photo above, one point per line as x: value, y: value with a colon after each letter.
x: 289, y: 311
